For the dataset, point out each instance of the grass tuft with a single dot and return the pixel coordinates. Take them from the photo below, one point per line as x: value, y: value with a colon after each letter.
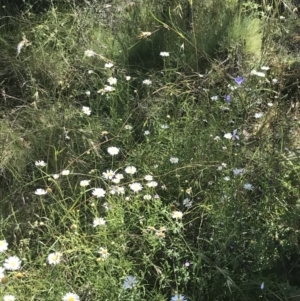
x: 149, y: 151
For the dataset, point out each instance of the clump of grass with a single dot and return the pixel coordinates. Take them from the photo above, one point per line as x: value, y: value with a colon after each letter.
x: 159, y: 183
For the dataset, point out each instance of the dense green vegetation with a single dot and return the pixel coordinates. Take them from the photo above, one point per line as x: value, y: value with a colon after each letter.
x: 149, y: 150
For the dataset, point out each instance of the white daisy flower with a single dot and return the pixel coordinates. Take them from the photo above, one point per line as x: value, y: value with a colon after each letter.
x: 117, y: 190
x: 109, y: 88
x: 40, y: 191
x: 84, y: 183
x: 130, y: 170
x: 86, y: 110
x: 174, y: 160
x: 147, y: 197
x: 146, y: 133
x: 55, y: 176
x: 258, y: 115
x: 128, y: 127
x: 189, y: 190
x: 265, y: 68
x: 117, y: 179
x: 65, y: 172
x: 112, y: 81
x: 164, y: 54
x: 108, y: 65
x: 54, y: 258
x: 128, y: 78
x: 136, y: 186
x: 108, y: 175
x: 147, y: 82
x: 89, y: 53
x: 177, y: 214
x: 40, y: 163
x: 148, y: 178
x: 214, y: 98
x: 98, y: 193
x: 9, y: 298
x: 99, y: 221
x: 12, y: 263
x: 113, y: 150
x: 228, y: 136
x: 3, y: 245
x: 88, y: 93
x: 152, y: 184
x: 104, y: 253
x: 70, y: 297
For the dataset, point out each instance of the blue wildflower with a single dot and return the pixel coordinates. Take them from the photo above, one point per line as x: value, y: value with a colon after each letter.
x: 238, y: 171
x: 234, y: 135
x: 239, y: 80
x: 248, y: 186
x: 227, y: 98
x: 178, y: 298
x: 130, y: 282
x: 262, y: 286
x: 187, y: 203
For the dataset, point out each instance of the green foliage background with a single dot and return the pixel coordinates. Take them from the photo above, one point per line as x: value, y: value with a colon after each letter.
x: 234, y: 239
